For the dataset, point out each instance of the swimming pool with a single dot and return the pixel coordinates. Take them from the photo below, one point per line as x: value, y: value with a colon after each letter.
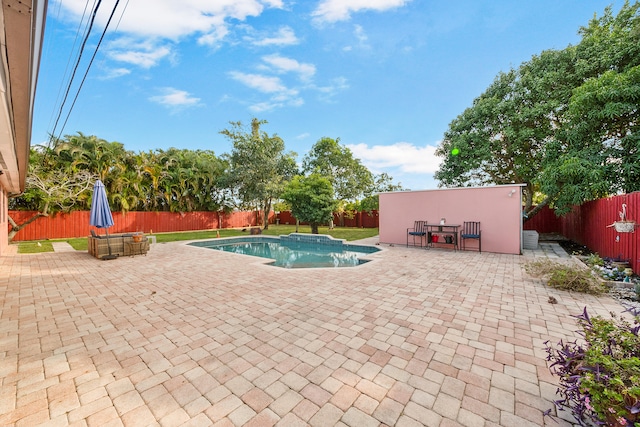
x: 295, y: 250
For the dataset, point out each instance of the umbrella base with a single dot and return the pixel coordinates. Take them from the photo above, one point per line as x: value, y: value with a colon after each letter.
x: 108, y: 257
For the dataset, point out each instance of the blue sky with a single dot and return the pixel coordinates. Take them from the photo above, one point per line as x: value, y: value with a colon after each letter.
x: 385, y: 76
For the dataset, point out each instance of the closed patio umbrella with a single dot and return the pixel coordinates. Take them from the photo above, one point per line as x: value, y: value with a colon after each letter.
x: 100, y: 215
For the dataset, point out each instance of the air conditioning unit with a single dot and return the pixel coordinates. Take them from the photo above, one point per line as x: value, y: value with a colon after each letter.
x: 530, y: 239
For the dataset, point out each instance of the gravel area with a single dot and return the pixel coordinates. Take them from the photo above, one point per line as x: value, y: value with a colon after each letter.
x: 627, y: 297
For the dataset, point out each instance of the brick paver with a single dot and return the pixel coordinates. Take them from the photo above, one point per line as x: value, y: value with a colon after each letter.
x: 188, y: 336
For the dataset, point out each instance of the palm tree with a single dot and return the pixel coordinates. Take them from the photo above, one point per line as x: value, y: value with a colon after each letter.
x: 95, y: 155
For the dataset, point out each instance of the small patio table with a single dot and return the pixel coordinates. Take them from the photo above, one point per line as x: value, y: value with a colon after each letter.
x: 135, y: 248
x: 435, y: 232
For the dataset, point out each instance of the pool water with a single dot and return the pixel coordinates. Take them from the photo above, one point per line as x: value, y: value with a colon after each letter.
x: 294, y: 254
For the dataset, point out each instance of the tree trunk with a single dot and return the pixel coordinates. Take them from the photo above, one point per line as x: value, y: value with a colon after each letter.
x: 267, y: 209
x: 15, y: 227
x: 314, y: 228
x: 530, y: 214
x: 528, y: 197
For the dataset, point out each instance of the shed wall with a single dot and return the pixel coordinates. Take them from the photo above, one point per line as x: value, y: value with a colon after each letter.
x: 497, y: 208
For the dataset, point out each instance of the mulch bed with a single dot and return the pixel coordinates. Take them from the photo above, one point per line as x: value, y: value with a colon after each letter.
x: 574, y: 248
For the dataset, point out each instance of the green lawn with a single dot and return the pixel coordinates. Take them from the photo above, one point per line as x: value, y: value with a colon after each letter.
x: 80, y: 244
x: 34, y: 247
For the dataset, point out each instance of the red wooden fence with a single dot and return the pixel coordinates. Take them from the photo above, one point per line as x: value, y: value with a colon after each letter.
x: 544, y: 221
x: 76, y: 224
x: 359, y: 220
x: 589, y: 225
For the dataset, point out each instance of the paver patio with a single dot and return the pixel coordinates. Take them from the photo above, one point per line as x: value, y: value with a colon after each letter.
x: 188, y: 336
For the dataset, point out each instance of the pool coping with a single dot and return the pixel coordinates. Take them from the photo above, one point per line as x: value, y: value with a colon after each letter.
x: 298, y: 238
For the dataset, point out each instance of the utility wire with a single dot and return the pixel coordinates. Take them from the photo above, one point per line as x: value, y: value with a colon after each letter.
x: 121, y: 15
x: 115, y: 30
x: 95, y: 52
x: 75, y: 68
x: 75, y: 41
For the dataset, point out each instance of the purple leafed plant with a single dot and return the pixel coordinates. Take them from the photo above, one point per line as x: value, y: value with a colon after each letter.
x: 600, y: 375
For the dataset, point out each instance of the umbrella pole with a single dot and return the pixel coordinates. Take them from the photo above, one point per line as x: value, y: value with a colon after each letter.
x: 110, y: 256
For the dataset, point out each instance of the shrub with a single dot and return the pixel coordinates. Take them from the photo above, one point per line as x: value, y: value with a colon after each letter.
x: 593, y: 260
x: 566, y: 277
x: 600, y: 378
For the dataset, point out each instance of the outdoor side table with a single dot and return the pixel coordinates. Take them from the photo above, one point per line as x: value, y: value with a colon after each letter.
x: 135, y: 248
x: 443, y: 233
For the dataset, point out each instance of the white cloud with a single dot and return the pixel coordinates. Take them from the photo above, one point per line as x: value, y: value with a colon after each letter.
x: 266, y: 84
x: 337, y: 85
x: 114, y: 73
x: 290, y: 97
x: 264, y: 106
x: 409, y: 158
x: 215, y: 36
x: 280, y: 94
x: 276, y: 102
x: 295, y: 102
x: 340, y: 10
x: 145, y: 54
x: 175, y: 19
x: 362, y: 38
x: 284, y: 37
x: 283, y: 64
x: 175, y: 99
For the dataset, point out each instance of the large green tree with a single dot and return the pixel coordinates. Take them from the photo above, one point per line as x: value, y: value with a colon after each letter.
x: 597, y: 152
x: 501, y: 139
x: 350, y: 179
x: 311, y: 199
x: 259, y: 167
x: 564, y: 123
x: 381, y: 183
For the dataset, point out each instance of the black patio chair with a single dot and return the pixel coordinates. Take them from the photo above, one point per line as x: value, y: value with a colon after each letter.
x: 419, y: 230
x: 471, y: 230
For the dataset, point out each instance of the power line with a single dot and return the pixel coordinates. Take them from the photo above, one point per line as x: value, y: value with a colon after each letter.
x: 121, y: 15
x: 75, y: 68
x: 75, y: 41
x: 95, y: 52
